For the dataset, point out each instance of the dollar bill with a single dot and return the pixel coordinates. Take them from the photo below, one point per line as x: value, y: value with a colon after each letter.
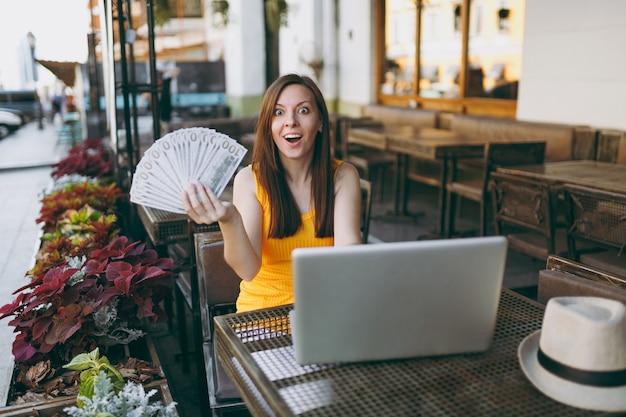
x: 182, y: 157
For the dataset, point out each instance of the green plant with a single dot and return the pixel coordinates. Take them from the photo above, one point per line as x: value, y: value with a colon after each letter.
x: 276, y: 14
x: 103, y: 393
x: 103, y: 198
x: 132, y: 400
x: 91, y: 365
x: 162, y: 13
x: 219, y: 9
x: 78, y: 233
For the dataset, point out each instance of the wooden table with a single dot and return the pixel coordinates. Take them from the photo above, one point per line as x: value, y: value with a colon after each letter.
x: 420, y: 143
x: 257, y: 353
x: 593, y: 174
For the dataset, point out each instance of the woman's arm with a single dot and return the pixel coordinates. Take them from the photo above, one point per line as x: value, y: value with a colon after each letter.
x: 242, y: 250
x: 347, y: 206
x: 240, y: 222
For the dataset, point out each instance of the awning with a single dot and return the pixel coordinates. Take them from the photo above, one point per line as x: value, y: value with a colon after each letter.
x: 64, y: 71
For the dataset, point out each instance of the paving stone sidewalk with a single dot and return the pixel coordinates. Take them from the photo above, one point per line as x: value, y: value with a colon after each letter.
x: 25, y: 159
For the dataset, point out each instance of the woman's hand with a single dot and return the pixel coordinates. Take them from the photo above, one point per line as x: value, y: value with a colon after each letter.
x: 203, y: 206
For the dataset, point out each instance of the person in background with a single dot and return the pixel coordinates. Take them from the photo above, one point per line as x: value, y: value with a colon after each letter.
x: 57, y: 105
x: 166, y: 98
x: 72, y: 127
x: 292, y: 195
x: 71, y: 107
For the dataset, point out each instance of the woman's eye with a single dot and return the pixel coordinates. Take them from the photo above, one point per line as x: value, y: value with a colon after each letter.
x: 278, y: 112
x: 303, y: 110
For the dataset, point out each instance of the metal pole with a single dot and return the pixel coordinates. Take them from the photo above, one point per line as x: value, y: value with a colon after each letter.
x: 156, y: 119
x: 32, y: 43
x: 133, y: 88
x: 124, y: 71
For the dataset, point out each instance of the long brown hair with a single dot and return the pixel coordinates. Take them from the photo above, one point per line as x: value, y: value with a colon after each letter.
x: 285, y: 216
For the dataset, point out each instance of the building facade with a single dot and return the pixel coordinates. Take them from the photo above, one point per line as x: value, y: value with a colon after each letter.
x: 563, y: 58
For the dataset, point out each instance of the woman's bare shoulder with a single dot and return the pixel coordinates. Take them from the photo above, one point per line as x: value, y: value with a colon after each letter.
x: 346, y: 178
x: 245, y: 180
x: 346, y: 171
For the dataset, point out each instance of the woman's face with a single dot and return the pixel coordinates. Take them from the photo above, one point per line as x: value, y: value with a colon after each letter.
x: 296, y: 122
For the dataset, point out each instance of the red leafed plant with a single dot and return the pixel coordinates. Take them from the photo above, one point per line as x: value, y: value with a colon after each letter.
x: 75, y: 196
x: 84, y: 304
x: 78, y: 233
x: 89, y: 158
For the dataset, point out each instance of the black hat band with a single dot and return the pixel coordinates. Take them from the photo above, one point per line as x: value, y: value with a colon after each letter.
x: 595, y: 378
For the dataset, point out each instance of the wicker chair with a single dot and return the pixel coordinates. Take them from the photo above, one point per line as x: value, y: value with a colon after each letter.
x: 367, y: 161
x: 599, y: 218
x: 496, y: 154
x: 529, y: 213
x: 213, y: 290
x: 608, y: 145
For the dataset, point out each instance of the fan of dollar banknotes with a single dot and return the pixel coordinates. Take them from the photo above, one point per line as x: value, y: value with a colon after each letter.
x: 182, y: 157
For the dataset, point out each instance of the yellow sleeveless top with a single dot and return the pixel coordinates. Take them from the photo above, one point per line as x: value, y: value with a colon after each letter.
x: 273, y: 285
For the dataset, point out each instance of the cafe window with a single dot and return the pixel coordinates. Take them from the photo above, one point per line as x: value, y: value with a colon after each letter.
x: 495, y: 49
x: 400, y: 39
x: 463, y: 49
x: 186, y: 8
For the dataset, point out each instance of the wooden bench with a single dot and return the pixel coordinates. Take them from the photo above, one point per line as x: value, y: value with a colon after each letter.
x: 559, y: 138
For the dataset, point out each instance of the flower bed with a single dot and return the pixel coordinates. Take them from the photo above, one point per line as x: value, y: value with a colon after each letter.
x: 91, y: 286
x: 56, y: 408
x: 33, y: 386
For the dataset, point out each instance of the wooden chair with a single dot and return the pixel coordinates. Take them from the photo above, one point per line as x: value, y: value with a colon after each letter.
x: 598, y: 218
x: 609, y: 144
x: 528, y: 212
x: 209, y: 287
x: 366, y: 208
x: 564, y: 277
x: 496, y: 154
x: 367, y: 161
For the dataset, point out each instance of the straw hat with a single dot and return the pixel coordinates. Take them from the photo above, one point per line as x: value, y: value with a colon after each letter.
x: 579, y: 356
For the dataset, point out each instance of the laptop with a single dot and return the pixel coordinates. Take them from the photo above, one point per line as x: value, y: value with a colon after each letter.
x: 396, y: 300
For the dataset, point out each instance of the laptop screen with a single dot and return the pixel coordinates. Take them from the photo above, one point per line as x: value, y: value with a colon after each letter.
x: 396, y: 300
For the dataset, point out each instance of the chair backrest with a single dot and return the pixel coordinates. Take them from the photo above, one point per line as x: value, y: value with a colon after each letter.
x: 521, y: 201
x: 564, y: 277
x: 218, y: 291
x: 345, y: 126
x: 501, y: 154
x: 596, y: 215
x: 559, y: 263
x: 553, y: 283
x: 366, y: 208
x: 218, y: 283
x: 609, y: 144
x: 525, y: 204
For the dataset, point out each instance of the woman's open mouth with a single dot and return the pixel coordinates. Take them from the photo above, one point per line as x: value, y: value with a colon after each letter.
x: 293, y: 138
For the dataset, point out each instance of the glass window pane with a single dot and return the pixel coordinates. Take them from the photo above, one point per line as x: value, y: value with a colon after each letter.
x: 185, y: 8
x: 496, y: 31
x: 440, y: 48
x: 399, y: 65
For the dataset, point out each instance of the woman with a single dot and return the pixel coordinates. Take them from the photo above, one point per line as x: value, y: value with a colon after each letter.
x: 292, y: 195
